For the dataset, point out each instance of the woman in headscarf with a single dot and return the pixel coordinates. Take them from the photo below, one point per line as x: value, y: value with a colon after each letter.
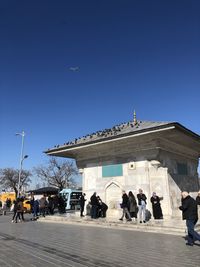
x: 132, y: 207
x: 157, y: 211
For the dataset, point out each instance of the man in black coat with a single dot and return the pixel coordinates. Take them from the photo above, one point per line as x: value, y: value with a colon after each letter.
x: 124, y: 206
x: 82, y: 204
x: 189, y: 212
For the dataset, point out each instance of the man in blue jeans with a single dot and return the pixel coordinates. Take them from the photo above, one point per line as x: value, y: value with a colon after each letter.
x: 190, y: 214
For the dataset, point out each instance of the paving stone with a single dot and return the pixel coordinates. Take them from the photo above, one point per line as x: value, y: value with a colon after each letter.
x: 36, y: 243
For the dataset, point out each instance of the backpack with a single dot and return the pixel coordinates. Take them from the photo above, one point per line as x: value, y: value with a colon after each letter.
x: 147, y: 215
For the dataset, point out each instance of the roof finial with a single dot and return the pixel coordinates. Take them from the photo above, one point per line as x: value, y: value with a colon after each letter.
x: 134, y: 118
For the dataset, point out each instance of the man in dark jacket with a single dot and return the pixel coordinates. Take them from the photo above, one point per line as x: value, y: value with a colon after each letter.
x: 189, y: 213
x: 124, y: 206
x: 82, y: 204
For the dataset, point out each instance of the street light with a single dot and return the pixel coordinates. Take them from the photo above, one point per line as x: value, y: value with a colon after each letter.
x: 22, y: 157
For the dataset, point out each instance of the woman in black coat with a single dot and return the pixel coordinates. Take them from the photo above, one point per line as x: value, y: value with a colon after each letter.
x: 132, y: 207
x: 157, y: 211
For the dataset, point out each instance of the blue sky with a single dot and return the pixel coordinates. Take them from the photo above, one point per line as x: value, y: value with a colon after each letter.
x: 141, y: 55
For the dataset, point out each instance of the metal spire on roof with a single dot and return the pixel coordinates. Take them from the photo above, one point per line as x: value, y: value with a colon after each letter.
x: 134, y: 118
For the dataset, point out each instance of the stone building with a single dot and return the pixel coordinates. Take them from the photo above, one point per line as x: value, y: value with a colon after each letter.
x: 155, y: 156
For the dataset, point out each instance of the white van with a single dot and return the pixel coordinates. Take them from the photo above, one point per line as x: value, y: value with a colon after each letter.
x: 71, y: 198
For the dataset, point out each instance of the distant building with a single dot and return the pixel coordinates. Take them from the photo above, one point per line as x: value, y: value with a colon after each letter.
x: 155, y: 156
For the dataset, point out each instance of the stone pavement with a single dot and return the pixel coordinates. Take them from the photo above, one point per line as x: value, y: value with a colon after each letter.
x: 174, y: 226
x: 36, y: 243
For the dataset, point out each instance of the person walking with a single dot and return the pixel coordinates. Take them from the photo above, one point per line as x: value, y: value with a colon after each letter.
x: 142, y: 206
x: 82, y: 203
x: 15, y: 203
x: 156, y: 207
x: 20, y: 210
x: 43, y: 205
x: 189, y: 213
x: 124, y: 206
x: 36, y: 209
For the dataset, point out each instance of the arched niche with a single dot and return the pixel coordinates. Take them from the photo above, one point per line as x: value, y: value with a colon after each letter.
x: 113, y: 192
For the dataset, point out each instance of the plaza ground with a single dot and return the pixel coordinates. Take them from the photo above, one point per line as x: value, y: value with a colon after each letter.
x: 38, y: 243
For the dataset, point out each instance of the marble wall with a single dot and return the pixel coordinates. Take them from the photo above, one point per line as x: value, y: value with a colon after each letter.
x: 145, y: 174
x: 157, y: 171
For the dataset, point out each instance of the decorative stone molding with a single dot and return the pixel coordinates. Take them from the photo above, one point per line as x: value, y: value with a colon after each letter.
x: 155, y: 163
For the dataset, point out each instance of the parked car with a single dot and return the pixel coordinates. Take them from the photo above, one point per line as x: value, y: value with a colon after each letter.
x: 27, y: 206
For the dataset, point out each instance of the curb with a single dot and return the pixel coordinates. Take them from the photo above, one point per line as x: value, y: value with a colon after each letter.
x: 148, y: 227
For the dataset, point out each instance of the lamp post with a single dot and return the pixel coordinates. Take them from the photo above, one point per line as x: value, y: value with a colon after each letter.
x: 22, y: 157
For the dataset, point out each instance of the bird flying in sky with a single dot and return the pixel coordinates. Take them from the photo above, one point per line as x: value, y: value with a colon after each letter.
x: 74, y: 68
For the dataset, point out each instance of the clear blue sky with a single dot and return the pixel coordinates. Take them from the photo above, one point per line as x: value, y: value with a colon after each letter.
x: 142, y: 55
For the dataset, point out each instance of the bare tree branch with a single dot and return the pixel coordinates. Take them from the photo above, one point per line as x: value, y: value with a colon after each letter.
x: 9, y: 178
x: 58, y: 173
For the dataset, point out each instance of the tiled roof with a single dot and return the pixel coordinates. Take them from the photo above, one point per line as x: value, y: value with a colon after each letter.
x: 110, y: 133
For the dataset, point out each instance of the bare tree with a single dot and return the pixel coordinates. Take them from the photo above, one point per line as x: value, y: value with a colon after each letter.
x: 58, y: 173
x: 9, y: 178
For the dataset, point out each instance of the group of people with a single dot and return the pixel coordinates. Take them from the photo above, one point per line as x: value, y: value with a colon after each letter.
x: 18, y: 210
x: 97, y: 207
x: 38, y: 207
x: 189, y: 208
x: 46, y: 205
x: 132, y: 208
x: 5, y: 205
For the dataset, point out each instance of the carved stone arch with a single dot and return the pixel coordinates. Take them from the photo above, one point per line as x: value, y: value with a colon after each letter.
x: 113, y: 192
x: 113, y: 182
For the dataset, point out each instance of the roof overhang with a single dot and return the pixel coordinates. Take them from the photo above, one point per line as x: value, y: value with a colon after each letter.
x: 175, y: 132
x: 69, y: 150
